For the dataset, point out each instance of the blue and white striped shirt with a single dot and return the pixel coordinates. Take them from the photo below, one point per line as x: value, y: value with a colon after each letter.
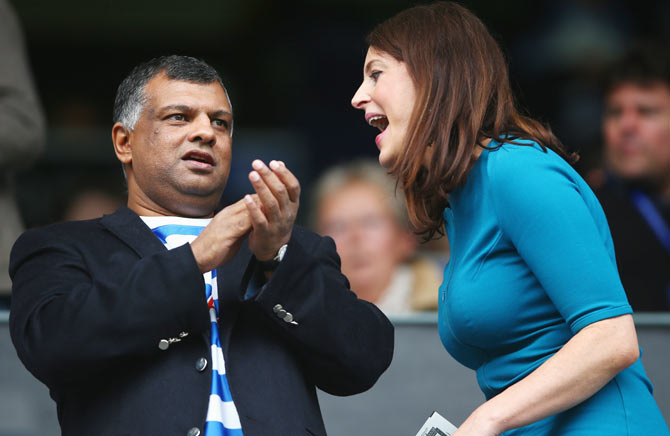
x: 222, y: 418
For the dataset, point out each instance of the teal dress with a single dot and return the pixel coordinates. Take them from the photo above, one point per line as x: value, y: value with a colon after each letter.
x: 532, y: 263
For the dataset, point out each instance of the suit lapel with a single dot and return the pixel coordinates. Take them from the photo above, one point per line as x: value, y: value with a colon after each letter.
x: 230, y: 279
x: 129, y: 227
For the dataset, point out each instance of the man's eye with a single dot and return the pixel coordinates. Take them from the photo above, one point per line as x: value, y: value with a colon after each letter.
x: 648, y: 111
x: 220, y: 123
x: 177, y: 117
x: 612, y: 112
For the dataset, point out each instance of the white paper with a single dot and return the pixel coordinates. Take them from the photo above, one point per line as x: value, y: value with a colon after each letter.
x: 436, y: 425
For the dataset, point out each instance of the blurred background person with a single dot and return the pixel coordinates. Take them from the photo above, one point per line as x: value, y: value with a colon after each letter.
x: 22, y: 131
x: 90, y: 203
x: 357, y: 205
x: 92, y: 194
x: 636, y: 191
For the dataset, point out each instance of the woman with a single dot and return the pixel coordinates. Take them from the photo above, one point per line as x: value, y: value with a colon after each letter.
x: 531, y: 297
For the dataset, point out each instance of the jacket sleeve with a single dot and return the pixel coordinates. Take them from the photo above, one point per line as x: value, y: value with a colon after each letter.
x: 345, y: 343
x: 75, y: 314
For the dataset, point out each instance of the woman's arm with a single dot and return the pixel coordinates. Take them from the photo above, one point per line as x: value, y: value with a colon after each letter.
x: 583, y: 366
x: 559, y: 231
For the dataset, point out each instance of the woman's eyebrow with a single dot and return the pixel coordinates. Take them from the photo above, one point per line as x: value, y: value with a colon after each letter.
x: 371, y: 64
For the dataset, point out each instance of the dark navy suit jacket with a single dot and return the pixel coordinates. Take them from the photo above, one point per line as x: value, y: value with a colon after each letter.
x: 92, y: 300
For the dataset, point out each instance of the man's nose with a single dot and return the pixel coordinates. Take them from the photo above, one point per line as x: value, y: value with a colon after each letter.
x: 202, y: 130
x: 629, y: 121
x: 360, y: 98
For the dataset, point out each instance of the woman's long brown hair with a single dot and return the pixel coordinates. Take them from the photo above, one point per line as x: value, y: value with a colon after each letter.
x: 463, y: 98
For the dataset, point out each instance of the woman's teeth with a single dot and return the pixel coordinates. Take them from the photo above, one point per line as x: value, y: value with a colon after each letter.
x: 379, y: 121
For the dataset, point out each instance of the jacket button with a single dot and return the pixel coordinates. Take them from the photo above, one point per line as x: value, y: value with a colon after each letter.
x: 288, y: 317
x: 281, y: 313
x: 163, y: 344
x: 195, y: 431
x: 277, y: 308
x: 201, y: 364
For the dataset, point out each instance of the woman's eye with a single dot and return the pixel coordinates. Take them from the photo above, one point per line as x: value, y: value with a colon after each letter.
x: 375, y: 75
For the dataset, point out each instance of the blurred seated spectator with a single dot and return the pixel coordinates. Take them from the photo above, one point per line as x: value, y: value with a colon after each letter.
x: 91, y: 192
x: 92, y: 202
x: 21, y: 132
x: 357, y: 205
x: 636, y: 192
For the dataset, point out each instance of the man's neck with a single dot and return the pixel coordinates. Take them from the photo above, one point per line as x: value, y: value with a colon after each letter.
x: 145, y: 207
x: 655, y: 188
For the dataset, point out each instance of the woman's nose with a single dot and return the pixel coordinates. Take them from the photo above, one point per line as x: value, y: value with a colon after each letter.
x: 360, y: 98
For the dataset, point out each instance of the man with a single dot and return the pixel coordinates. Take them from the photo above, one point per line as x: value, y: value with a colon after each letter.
x: 357, y: 205
x: 636, y: 198
x: 118, y: 327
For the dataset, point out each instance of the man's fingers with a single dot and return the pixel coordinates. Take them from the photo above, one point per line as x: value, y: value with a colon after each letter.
x: 256, y: 200
x: 288, y: 179
x: 258, y: 219
x: 234, y: 217
x: 220, y: 240
x: 267, y: 198
x: 233, y: 209
x: 275, y: 185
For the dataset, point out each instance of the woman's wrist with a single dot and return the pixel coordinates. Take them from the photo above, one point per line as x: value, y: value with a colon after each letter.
x: 490, y: 418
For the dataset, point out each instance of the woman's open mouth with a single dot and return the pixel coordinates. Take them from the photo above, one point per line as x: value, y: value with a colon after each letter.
x: 381, y: 122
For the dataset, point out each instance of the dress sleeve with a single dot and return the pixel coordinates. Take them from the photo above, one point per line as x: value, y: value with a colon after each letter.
x: 558, y: 228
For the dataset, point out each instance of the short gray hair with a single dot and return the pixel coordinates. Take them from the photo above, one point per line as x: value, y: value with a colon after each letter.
x: 366, y: 171
x: 131, y: 98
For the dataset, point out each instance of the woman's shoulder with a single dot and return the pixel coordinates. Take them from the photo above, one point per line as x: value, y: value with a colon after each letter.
x: 523, y: 171
x: 519, y: 151
x: 523, y: 159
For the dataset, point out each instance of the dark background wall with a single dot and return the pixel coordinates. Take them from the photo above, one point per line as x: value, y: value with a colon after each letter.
x: 292, y: 68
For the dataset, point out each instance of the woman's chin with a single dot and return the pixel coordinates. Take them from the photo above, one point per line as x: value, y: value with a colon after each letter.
x: 385, y: 160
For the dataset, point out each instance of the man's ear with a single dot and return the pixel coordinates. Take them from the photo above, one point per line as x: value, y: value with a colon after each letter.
x: 121, y: 140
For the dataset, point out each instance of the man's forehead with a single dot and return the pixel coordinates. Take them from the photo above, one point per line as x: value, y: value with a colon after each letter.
x: 658, y: 88
x: 161, y: 89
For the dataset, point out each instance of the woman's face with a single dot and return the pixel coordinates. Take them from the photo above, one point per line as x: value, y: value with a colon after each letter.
x: 387, y: 95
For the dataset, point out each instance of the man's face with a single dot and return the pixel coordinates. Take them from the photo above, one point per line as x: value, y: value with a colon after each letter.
x: 636, y: 129
x: 181, y: 148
